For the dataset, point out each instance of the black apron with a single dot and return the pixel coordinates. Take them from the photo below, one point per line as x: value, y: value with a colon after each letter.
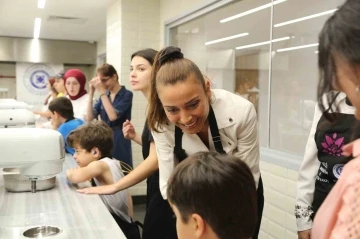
x: 181, y: 155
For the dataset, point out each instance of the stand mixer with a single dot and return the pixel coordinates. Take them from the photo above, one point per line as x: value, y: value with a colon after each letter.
x: 37, y: 153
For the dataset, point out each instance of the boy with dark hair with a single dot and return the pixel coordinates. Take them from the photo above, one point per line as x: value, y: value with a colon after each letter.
x: 62, y: 118
x: 93, y: 144
x: 213, y: 196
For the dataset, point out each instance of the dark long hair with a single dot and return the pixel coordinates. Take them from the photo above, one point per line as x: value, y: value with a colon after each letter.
x: 148, y: 54
x: 340, y: 37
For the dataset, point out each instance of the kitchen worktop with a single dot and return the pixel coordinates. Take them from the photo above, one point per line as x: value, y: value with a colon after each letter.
x: 78, y: 215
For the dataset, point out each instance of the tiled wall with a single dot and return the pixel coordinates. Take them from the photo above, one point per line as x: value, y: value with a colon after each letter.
x: 278, y: 220
x: 132, y: 25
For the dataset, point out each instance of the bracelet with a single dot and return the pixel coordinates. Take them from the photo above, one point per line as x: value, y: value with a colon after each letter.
x: 102, y: 94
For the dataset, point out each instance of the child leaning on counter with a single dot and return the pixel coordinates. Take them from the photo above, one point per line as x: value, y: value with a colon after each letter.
x: 62, y: 118
x: 93, y: 144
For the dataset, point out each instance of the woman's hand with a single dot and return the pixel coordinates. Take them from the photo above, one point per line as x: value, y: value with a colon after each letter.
x: 128, y: 130
x: 91, y: 87
x: 98, y: 85
x: 352, y: 148
x: 106, y: 189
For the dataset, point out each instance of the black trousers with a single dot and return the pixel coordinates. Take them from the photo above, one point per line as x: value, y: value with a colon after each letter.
x: 130, y: 230
x: 260, y: 207
x: 159, y: 222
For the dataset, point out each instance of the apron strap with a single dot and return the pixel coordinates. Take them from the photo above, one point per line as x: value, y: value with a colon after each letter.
x: 215, y: 132
x: 180, y: 152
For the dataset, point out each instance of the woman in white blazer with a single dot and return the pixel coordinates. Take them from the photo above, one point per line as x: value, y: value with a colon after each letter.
x: 187, y: 117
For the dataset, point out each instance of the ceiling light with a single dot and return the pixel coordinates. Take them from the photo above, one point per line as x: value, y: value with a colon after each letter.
x: 251, y: 11
x: 41, y: 3
x: 316, y: 52
x: 37, y: 27
x: 297, y: 47
x: 305, y: 18
x: 226, y: 38
x: 262, y: 43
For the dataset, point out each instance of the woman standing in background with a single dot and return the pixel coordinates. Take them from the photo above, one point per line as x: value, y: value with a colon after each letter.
x: 114, y: 108
x: 75, y: 81
x: 158, y: 221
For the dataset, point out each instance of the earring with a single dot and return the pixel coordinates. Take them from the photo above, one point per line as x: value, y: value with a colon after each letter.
x: 357, y: 89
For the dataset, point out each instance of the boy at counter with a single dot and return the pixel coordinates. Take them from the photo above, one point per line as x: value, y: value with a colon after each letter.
x: 93, y: 144
x: 62, y: 119
x: 213, y: 196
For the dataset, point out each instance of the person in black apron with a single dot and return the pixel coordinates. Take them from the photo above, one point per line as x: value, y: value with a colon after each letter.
x: 323, y: 160
x: 179, y: 92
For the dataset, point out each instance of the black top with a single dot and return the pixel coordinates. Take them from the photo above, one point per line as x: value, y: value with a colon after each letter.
x: 330, y: 137
x: 146, y: 139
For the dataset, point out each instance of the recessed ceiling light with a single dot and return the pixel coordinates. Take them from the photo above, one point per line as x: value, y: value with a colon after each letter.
x: 297, y: 47
x: 251, y: 11
x: 262, y: 43
x: 41, y: 3
x: 305, y: 18
x: 226, y: 38
x: 37, y: 27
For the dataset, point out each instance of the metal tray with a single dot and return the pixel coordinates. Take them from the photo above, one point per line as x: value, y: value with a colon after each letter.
x: 19, y: 183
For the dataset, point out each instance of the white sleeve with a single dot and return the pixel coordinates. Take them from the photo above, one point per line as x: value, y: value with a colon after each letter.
x: 248, y: 142
x: 166, y: 158
x: 83, y: 108
x: 306, y: 180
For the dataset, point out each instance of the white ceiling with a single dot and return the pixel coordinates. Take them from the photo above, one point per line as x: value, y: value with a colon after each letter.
x: 17, y: 19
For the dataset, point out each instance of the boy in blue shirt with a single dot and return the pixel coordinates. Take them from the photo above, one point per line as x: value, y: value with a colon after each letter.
x: 62, y: 119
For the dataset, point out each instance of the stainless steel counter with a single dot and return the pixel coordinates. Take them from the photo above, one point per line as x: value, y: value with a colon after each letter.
x: 78, y: 215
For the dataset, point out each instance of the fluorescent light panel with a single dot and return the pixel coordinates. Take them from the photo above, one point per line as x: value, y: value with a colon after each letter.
x: 226, y: 38
x: 305, y: 18
x: 37, y: 27
x: 41, y: 3
x: 297, y: 47
x: 251, y: 11
x: 262, y: 43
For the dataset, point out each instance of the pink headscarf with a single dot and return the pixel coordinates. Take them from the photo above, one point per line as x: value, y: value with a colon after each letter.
x: 80, y: 77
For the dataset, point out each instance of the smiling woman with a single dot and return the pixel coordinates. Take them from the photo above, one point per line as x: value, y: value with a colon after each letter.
x: 187, y: 117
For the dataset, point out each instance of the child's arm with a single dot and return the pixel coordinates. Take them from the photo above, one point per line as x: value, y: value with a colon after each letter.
x: 79, y: 175
x: 140, y: 173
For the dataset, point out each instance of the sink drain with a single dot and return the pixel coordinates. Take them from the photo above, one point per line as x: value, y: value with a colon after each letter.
x: 42, y: 232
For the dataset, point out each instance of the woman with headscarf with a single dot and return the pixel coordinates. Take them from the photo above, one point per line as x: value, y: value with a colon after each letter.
x: 75, y: 81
